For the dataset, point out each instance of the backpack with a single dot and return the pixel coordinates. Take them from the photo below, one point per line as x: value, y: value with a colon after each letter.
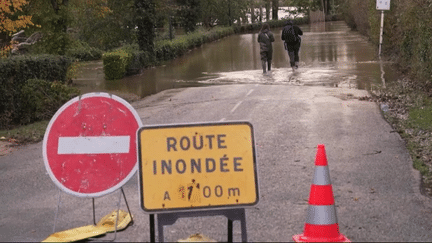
x: 288, y: 34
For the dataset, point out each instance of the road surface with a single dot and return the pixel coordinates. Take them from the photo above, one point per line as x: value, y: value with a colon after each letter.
x: 376, y: 189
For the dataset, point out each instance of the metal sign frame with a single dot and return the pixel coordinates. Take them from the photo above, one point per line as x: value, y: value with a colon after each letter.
x: 166, y: 219
x: 206, y: 207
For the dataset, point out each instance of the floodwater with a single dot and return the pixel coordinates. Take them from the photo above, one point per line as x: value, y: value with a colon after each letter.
x: 331, y: 55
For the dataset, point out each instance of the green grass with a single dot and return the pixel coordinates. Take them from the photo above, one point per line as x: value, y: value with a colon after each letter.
x: 421, y: 118
x: 31, y: 133
x: 420, y: 166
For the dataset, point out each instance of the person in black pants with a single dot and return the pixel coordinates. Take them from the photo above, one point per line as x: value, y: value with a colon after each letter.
x: 291, y: 36
x: 265, y: 38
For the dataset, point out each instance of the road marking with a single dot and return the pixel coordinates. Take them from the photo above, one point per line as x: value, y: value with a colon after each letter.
x: 94, y: 145
x: 250, y: 92
x: 239, y: 103
x: 236, y: 106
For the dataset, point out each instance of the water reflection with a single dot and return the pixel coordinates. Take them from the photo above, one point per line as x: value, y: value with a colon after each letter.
x: 331, y: 55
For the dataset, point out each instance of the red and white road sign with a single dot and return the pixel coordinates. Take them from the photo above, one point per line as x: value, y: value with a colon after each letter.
x: 90, y: 145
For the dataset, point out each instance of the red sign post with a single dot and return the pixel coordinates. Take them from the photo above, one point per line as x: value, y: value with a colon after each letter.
x: 90, y: 147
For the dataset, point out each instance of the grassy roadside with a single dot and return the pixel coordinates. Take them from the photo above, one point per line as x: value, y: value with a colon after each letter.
x: 410, y: 114
x: 31, y: 133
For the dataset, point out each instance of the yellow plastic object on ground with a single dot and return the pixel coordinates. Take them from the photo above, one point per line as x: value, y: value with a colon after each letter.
x: 105, y: 225
x: 108, y: 222
x: 197, y: 238
x: 76, y: 234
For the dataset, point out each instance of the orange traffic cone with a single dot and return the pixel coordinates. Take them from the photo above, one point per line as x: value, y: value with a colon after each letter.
x: 321, y: 222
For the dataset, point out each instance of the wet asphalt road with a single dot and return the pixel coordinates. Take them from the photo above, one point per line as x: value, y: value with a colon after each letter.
x: 375, y: 188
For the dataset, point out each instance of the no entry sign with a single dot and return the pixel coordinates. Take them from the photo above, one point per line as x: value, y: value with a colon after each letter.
x: 190, y: 166
x: 89, y: 147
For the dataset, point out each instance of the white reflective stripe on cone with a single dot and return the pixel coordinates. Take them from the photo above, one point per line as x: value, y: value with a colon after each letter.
x: 322, y: 176
x: 321, y: 215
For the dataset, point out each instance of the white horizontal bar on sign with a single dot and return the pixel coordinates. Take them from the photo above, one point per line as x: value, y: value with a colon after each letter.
x: 94, y: 145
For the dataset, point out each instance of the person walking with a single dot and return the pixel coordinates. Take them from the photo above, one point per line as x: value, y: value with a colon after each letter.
x: 265, y: 38
x: 291, y: 36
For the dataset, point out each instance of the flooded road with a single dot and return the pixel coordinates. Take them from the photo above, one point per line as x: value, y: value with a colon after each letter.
x: 331, y: 55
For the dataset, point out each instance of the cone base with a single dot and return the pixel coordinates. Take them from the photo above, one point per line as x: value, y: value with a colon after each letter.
x: 303, y: 238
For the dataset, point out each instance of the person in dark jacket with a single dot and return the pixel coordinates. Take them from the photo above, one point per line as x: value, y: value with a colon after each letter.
x: 265, y: 38
x: 291, y: 36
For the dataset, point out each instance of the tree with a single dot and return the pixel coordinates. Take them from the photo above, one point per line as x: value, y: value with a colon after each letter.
x: 260, y: 13
x: 210, y: 12
x: 275, y: 9
x: 267, y: 5
x: 303, y: 6
x: 64, y: 21
x: 145, y: 21
x: 252, y: 6
x: 105, y: 24
x: 190, y: 12
x: 238, y: 10
x: 12, y: 20
x: 54, y: 18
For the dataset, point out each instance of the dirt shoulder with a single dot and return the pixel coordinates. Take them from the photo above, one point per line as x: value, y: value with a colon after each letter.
x: 408, y: 109
x: 7, y: 147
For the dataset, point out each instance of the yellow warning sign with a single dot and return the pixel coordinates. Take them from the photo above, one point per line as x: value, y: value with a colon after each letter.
x: 197, y: 166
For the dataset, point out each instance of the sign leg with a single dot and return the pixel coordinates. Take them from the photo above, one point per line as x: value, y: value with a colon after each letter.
x: 243, y: 225
x: 381, y: 33
x: 117, y: 218
x: 115, y: 224
x: 160, y: 232
x: 230, y: 230
x: 152, y: 229
x: 57, y: 210
x: 94, y: 211
x: 127, y: 205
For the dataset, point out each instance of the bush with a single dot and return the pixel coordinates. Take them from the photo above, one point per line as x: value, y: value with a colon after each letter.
x: 22, y: 68
x: 164, y: 50
x: 136, y: 60
x: 14, y: 73
x: 139, y: 59
x: 40, y: 99
x: 83, y: 52
x: 115, y: 64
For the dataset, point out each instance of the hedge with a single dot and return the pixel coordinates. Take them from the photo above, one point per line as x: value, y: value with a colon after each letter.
x: 115, y: 64
x: 40, y: 99
x: 14, y: 73
x: 84, y: 52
